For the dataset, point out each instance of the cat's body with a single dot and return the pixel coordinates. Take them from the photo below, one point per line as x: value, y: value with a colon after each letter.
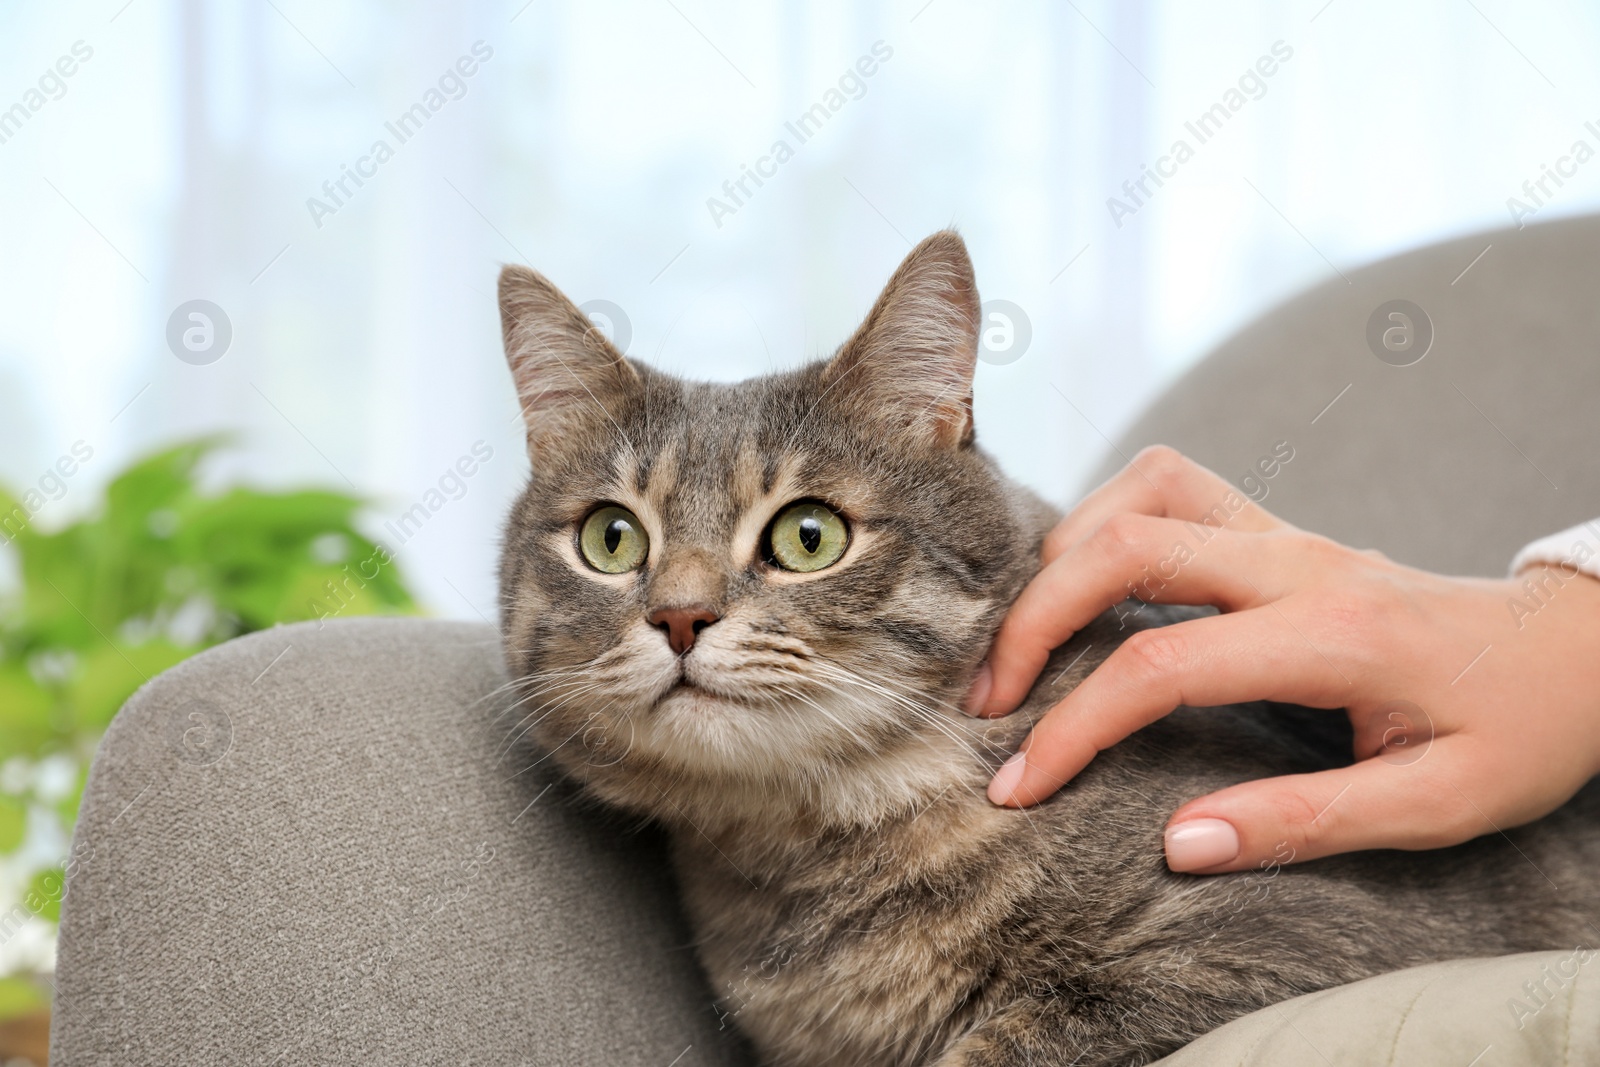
x: 964, y: 934
x: 856, y: 898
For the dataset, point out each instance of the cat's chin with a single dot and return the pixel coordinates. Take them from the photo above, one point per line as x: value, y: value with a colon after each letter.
x: 686, y: 697
x: 703, y: 732
x: 702, y: 723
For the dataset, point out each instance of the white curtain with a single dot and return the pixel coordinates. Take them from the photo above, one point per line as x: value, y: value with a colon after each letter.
x: 179, y: 161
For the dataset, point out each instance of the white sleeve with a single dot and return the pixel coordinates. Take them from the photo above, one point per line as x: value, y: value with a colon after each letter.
x: 1577, y: 549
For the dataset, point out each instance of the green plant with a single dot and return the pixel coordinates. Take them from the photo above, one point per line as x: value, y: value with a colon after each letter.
x: 157, y: 571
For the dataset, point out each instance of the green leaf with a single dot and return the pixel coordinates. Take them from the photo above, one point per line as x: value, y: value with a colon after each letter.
x: 110, y: 675
x: 43, y: 896
x: 13, y: 822
x: 163, y: 480
x: 19, y: 996
x: 27, y: 713
x: 114, y: 598
x: 14, y: 518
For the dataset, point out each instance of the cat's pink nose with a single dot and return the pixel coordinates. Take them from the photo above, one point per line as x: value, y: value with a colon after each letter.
x: 682, y: 624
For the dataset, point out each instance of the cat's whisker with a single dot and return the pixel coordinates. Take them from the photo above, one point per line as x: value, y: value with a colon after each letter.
x: 923, y: 715
x: 932, y: 718
x: 541, y: 691
x: 553, y: 750
x: 926, y: 714
x: 844, y: 725
x: 818, y: 707
x: 905, y: 700
x: 537, y: 715
x: 548, y: 708
x: 540, y: 680
x: 535, y: 683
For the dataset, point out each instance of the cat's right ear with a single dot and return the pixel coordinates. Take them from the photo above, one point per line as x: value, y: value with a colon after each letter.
x: 568, y: 375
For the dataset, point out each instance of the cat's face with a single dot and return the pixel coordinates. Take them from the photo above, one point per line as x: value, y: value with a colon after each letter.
x: 772, y: 581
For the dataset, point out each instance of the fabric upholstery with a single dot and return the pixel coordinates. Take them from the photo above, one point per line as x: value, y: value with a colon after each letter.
x: 311, y: 846
x: 1452, y: 463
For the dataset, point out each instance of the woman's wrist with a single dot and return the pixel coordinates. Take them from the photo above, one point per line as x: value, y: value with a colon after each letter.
x: 1569, y: 620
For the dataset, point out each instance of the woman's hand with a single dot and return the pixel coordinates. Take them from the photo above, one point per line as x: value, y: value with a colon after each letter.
x: 1475, y: 703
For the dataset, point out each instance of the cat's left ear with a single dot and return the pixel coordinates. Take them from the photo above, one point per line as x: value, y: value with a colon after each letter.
x: 913, y: 358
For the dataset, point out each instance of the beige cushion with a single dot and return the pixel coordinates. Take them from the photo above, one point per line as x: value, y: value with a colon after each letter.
x: 1454, y: 1014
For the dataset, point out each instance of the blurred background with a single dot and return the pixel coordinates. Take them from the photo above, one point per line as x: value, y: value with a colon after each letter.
x: 248, y: 251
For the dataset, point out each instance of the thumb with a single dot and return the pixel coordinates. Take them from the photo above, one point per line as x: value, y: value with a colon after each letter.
x: 1371, y: 804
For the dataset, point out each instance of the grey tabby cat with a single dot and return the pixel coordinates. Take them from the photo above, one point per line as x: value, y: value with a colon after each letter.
x: 748, y: 611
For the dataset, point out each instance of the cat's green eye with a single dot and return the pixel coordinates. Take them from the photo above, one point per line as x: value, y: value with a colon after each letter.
x: 613, y: 540
x: 807, y: 537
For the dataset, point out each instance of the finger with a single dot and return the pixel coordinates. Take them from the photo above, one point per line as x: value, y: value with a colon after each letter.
x: 1128, y: 555
x: 1165, y: 483
x: 1221, y: 659
x: 1299, y: 817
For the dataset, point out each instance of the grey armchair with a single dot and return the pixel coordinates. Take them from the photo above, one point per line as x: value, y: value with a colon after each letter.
x: 317, y: 845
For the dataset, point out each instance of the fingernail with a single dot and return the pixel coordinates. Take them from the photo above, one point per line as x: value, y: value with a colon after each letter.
x: 1197, y: 844
x: 1007, y: 778
x: 978, y: 695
